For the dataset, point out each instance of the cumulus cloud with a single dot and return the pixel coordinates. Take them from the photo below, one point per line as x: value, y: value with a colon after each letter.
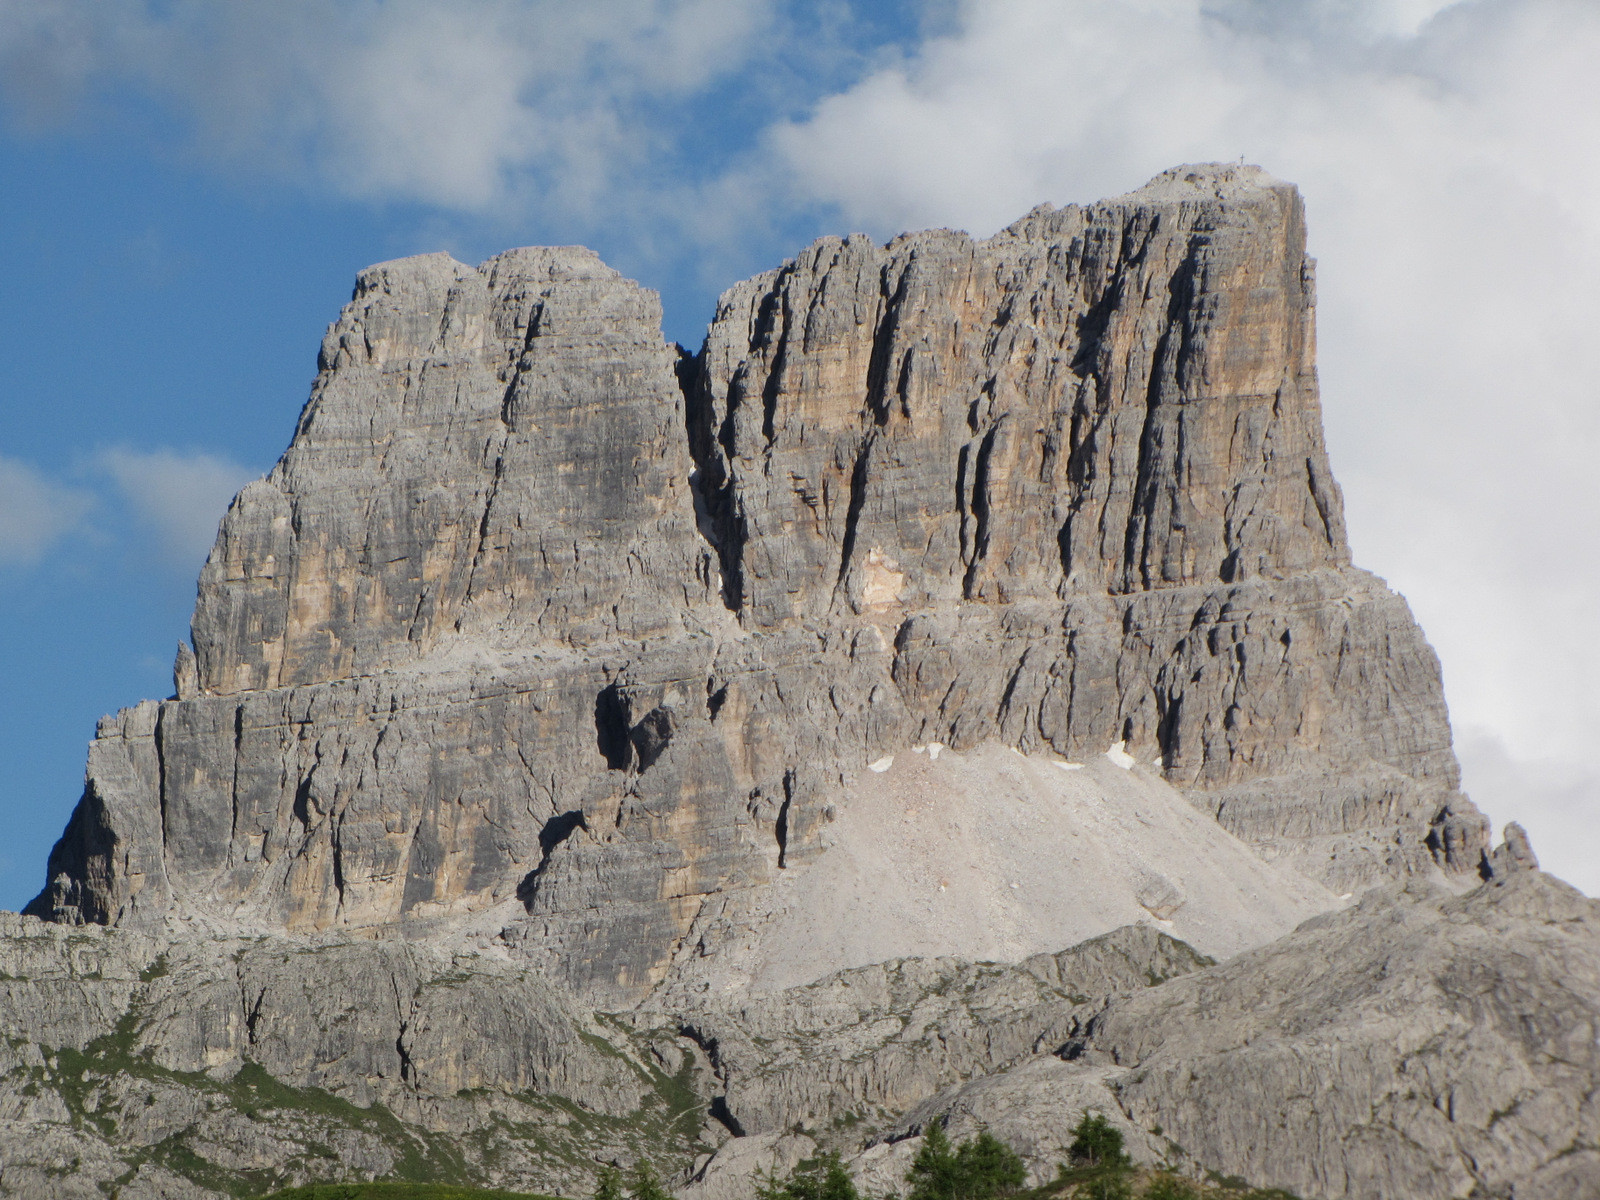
x: 1450, y: 153
x: 467, y: 104
x: 178, y: 497
x: 35, y: 512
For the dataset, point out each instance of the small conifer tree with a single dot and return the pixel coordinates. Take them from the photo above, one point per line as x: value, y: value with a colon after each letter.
x: 1167, y: 1186
x: 988, y: 1167
x: 608, y: 1185
x: 645, y: 1184
x: 770, y: 1187
x: 980, y: 1169
x: 1096, y: 1142
x: 822, y: 1178
x: 934, y: 1173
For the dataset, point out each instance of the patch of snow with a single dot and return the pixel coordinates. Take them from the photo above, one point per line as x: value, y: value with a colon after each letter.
x: 882, y: 765
x: 933, y: 750
x: 1119, y: 755
x: 1066, y: 766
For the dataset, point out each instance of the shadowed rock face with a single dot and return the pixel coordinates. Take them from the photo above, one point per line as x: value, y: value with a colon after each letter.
x: 537, y: 613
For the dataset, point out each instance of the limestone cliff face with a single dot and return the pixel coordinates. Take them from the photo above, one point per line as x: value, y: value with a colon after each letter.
x: 1078, y: 469
x: 536, y: 612
x: 495, y: 452
x: 1093, y: 402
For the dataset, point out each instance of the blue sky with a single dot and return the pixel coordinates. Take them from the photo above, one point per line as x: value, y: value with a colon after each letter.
x: 187, y: 190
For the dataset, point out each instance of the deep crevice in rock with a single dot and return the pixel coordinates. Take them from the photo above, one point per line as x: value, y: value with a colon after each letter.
x: 611, y: 721
x: 555, y: 831
x: 719, y: 1113
x: 652, y: 735
x: 709, y: 485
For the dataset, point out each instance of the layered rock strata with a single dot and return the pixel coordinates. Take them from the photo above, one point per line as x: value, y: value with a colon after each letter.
x: 539, y: 616
x: 1420, y: 1044
x: 188, y: 1066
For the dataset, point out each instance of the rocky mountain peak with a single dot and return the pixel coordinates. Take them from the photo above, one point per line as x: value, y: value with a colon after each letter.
x: 535, y: 612
x: 594, y: 752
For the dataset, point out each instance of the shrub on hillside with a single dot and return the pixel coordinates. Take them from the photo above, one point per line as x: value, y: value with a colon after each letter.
x: 822, y: 1178
x: 978, y: 1169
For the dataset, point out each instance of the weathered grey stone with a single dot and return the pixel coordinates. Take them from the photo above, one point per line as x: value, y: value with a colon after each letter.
x: 1063, y: 488
x: 1513, y: 854
x: 547, y: 648
x: 1079, y: 468
x: 871, y: 1043
x: 126, y: 1060
x: 1419, y: 1044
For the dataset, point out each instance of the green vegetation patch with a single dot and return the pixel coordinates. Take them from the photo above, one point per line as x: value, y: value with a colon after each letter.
x: 397, y: 1191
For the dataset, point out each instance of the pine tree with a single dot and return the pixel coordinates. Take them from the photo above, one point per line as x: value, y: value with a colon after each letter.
x: 608, y: 1186
x: 1096, y: 1142
x: 836, y: 1181
x: 646, y: 1184
x: 1170, y: 1187
x: 770, y: 1187
x: 980, y: 1169
x: 934, y: 1173
x: 987, y: 1167
x: 822, y: 1178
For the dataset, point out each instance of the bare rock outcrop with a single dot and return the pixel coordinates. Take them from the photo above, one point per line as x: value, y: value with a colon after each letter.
x: 866, y: 1045
x: 1421, y: 1044
x: 564, y: 708
x: 536, y: 611
x: 199, y: 1066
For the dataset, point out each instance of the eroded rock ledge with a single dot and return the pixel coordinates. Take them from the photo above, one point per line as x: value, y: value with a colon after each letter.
x: 560, y: 696
x: 532, y: 609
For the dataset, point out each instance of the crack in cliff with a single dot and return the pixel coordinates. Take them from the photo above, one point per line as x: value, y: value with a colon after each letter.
x: 709, y: 489
x: 858, y: 500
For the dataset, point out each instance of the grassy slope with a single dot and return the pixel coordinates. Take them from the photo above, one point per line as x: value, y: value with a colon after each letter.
x: 397, y: 1191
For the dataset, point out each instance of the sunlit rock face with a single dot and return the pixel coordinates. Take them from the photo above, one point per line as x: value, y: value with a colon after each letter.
x: 593, y: 751
x: 543, y: 623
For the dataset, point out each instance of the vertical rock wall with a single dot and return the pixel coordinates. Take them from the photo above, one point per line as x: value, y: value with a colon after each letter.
x: 533, y: 610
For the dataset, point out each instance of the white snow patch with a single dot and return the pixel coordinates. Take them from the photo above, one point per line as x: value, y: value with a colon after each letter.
x: 882, y: 765
x: 1119, y: 755
x: 933, y: 750
x: 1066, y: 766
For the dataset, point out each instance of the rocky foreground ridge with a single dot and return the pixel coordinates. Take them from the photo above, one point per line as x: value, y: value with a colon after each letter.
x: 590, y: 749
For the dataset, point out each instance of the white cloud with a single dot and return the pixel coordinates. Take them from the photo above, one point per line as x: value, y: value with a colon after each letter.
x: 178, y: 497
x: 35, y: 513
x: 1450, y: 153
x: 467, y: 104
